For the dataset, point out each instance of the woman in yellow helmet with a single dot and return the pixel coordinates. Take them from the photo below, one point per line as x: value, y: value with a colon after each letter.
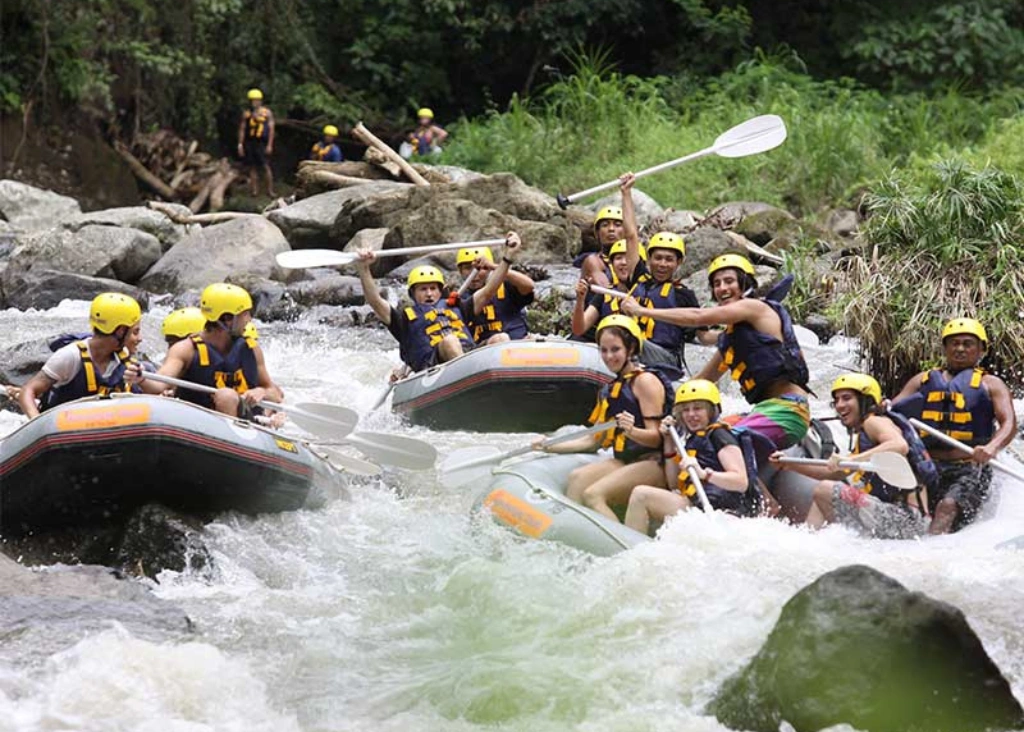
x: 637, y: 400
x: 430, y: 330
x: 327, y: 149
x: 256, y: 141
x: 428, y: 136
x: 711, y: 448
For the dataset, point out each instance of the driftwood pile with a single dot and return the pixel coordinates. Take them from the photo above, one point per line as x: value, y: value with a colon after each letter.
x: 176, y: 170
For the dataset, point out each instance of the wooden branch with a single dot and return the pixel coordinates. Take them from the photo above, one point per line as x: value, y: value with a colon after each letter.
x: 335, y: 180
x: 371, y: 140
x: 753, y: 249
x: 227, y: 177
x: 178, y: 217
x: 143, y: 174
x: 197, y: 203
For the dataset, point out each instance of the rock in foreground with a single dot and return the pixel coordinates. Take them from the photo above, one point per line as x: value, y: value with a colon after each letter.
x: 856, y: 647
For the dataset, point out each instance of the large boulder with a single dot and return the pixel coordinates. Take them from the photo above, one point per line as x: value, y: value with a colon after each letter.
x: 856, y: 647
x: 28, y: 208
x: 18, y: 363
x: 42, y: 288
x: 307, y: 223
x: 96, y: 251
x: 243, y: 246
x: 763, y: 226
x: 157, y: 538
x: 136, y: 217
x: 335, y: 289
x: 647, y: 209
x: 704, y: 244
x: 507, y: 193
x: 731, y: 213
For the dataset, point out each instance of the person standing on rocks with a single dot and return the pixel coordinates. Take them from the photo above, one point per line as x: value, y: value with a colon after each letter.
x: 430, y: 331
x: 969, y: 405
x: 256, y: 142
x: 327, y: 149
x: 92, y: 366
x: 220, y: 356
x: 501, y: 318
x: 427, y: 138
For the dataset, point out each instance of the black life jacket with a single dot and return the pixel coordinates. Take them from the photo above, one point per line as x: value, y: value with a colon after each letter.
x: 237, y: 369
x: 700, y: 445
x: 961, y: 407
x: 661, y: 295
x: 618, y: 397
x: 87, y: 382
x: 499, y: 315
x: 428, y: 325
x: 917, y: 455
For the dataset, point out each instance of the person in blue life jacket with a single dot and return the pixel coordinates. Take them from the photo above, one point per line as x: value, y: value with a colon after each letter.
x: 92, y: 366
x: 609, y: 227
x: 637, y: 400
x: 711, y: 449
x: 863, y: 500
x: 758, y: 348
x: 219, y: 356
x: 430, y: 331
x: 182, y: 323
x: 501, y: 318
x: 428, y: 136
x: 593, y: 307
x: 256, y: 131
x: 327, y: 149
x: 969, y: 405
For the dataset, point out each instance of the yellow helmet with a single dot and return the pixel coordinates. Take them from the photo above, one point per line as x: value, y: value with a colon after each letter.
x: 731, y: 261
x: 331, y: 130
x: 183, y: 322
x: 110, y: 310
x: 668, y: 240
x: 959, y: 326
x: 425, y: 112
x: 250, y: 332
x: 698, y: 390
x: 608, y: 213
x: 423, y: 275
x: 622, y: 321
x: 471, y: 254
x: 221, y: 298
x: 254, y: 94
x: 619, y: 247
x: 860, y: 383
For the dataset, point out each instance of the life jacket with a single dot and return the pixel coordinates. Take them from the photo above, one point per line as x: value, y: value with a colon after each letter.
x: 700, y: 445
x: 323, y: 151
x: 917, y: 455
x: 237, y: 369
x: 499, y: 315
x: 757, y: 360
x: 660, y: 296
x: 256, y: 127
x: 423, y: 141
x: 961, y: 407
x: 428, y: 325
x: 87, y: 382
x: 618, y: 397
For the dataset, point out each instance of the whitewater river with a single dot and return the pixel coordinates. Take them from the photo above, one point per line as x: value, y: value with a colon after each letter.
x: 397, y: 611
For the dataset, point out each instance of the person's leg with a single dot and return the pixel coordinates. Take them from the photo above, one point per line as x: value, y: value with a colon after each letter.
x: 498, y: 338
x: 269, y: 175
x: 782, y: 422
x: 584, y: 475
x: 614, y: 488
x: 963, y: 489
x: 226, y: 401
x: 648, y: 502
x: 450, y: 347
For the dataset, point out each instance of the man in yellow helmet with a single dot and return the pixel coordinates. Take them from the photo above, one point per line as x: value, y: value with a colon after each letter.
x: 430, y: 331
x: 500, y: 318
x: 219, y: 356
x: 609, y: 227
x: 256, y: 141
x: 91, y: 366
x: 969, y: 405
x: 327, y: 149
x: 428, y: 136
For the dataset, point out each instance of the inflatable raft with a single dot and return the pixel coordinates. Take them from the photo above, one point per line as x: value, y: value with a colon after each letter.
x: 529, y: 498
x: 548, y: 382
x: 96, y: 457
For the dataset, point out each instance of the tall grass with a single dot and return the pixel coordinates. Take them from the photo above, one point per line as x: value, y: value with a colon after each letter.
x: 596, y: 123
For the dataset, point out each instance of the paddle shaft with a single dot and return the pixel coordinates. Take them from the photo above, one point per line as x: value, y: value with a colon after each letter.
x: 681, y: 449
x: 608, y: 291
x: 953, y: 442
x: 549, y: 442
x: 438, y: 248
x: 182, y: 384
x: 845, y: 464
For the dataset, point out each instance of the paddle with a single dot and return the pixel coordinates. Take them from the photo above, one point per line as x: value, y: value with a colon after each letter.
x: 306, y: 258
x: 756, y: 135
x: 460, y: 467
x: 681, y: 449
x: 351, y: 465
x: 891, y: 467
x: 952, y: 442
x: 324, y: 419
x: 402, y: 452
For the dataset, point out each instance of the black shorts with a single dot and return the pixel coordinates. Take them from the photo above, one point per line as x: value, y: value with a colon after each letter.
x: 255, y: 152
x: 967, y: 483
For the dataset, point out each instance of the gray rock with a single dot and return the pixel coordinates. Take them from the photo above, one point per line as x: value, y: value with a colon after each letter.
x: 677, y: 221
x: 734, y: 211
x: 456, y: 174
x: 28, y: 208
x: 647, y: 209
x: 856, y: 647
x: 20, y: 362
x: 820, y: 326
x: 95, y: 251
x: 703, y: 245
x: 506, y: 193
x: 157, y: 538
x: 46, y: 288
x: 243, y: 246
x: 135, y: 217
x: 372, y: 239
x: 307, y: 223
x: 763, y: 226
x: 843, y: 222
x: 336, y: 290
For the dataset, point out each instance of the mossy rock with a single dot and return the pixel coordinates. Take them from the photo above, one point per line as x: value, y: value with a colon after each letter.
x: 763, y: 226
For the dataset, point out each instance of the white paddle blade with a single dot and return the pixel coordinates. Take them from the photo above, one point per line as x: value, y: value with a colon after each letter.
x: 352, y: 465
x: 402, y: 452
x: 325, y: 420
x: 468, y: 465
x: 307, y: 258
x: 894, y: 469
x: 756, y: 135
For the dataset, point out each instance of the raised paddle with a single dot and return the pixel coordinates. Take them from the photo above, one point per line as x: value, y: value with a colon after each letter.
x: 952, y: 442
x: 306, y: 258
x: 701, y: 493
x: 463, y: 466
x: 756, y: 135
x: 891, y: 467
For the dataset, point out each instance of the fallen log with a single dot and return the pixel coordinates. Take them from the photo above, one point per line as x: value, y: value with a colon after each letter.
x: 208, y: 218
x: 143, y: 174
x: 336, y: 180
x: 371, y: 140
x: 225, y: 179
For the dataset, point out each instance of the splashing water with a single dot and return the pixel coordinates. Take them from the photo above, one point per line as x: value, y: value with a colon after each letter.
x: 400, y: 611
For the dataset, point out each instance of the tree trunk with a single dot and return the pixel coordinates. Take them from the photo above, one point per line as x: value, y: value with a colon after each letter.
x: 371, y: 140
x: 142, y: 173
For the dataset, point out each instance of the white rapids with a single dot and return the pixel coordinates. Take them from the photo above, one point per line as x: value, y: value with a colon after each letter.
x: 399, y: 612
